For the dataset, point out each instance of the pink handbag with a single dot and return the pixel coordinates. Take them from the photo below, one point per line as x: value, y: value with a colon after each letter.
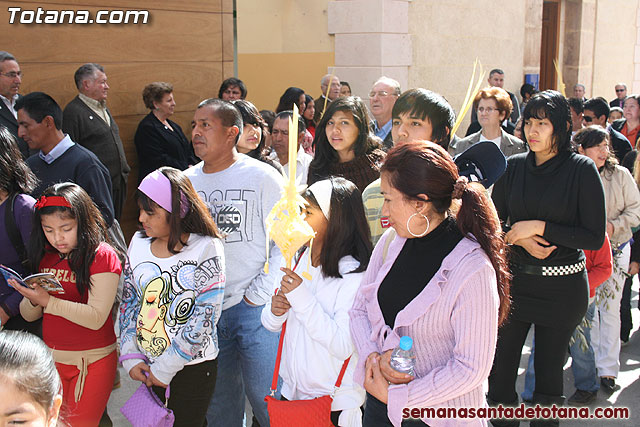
x: 144, y: 408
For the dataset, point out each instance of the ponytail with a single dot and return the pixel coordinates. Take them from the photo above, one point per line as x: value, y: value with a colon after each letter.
x: 477, y: 216
x: 426, y: 168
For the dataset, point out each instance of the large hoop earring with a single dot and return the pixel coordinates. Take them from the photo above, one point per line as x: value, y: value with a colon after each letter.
x: 425, y: 231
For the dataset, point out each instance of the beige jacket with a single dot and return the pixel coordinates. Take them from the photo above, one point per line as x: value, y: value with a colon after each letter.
x: 622, y: 201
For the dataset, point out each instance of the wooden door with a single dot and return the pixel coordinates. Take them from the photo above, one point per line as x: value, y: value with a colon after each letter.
x: 549, y: 48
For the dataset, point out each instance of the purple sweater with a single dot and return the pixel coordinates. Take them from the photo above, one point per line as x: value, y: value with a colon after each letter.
x: 453, y: 323
x: 23, y: 213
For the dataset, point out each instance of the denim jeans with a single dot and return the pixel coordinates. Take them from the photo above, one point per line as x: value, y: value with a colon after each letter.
x: 529, y: 376
x: 583, y: 363
x: 245, y: 365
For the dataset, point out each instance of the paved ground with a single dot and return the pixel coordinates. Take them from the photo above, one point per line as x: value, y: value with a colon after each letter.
x: 627, y: 396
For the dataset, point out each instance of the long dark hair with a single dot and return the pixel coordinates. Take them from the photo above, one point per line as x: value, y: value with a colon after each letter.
x: 197, y: 219
x: 250, y: 115
x: 592, y: 136
x: 15, y: 176
x: 555, y: 107
x: 325, y: 154
x: 426, y: 168
x: 289, y: 97
x: 91, y: 231
x: 347, y: 232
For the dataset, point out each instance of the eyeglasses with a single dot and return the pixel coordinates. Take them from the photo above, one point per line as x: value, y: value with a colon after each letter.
x: 587, y: 119
x: 489, y: 110
x: 380, y: 93
x: 12, y: 74
x: 620, y: 90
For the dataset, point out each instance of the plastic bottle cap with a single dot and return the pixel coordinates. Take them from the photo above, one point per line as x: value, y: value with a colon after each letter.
x: 406, y: 343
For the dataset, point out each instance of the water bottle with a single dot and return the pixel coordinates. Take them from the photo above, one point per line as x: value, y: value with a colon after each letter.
x: 403, y: 358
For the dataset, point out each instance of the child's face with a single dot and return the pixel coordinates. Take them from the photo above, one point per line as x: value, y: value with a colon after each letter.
x: 61, y: 231
x: 615, y: 115
x: 17, y: 407
x: 155, y: 223
x: 316, y: 219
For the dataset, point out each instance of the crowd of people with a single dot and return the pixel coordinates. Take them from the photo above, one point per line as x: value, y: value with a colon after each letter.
x: 461, y: 244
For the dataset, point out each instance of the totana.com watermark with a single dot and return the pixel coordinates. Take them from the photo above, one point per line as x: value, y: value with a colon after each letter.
x: 44, y: 16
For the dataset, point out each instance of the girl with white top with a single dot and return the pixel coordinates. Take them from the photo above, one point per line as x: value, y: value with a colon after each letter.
x: 316, y: 308
x: 622, y: 203
x: 174, y: 284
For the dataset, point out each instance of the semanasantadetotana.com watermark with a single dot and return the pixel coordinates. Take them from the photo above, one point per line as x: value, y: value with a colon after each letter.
x: 18, y: 15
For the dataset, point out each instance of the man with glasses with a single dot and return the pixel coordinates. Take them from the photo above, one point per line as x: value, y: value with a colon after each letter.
x: 496, y: 79
x: 621, y: 94
x: 382, y: 98
x: 327, y: 82
x: 10, y: 81
x: 596, y: 112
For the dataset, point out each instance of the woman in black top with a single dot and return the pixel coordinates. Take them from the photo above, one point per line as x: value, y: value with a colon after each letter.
x: 551, y: 203
x: 159, y: 141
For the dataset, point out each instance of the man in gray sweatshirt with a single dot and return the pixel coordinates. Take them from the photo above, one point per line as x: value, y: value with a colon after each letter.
x: 240, y: 192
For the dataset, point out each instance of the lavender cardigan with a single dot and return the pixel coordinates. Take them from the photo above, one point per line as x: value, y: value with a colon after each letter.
x: 453, y: 323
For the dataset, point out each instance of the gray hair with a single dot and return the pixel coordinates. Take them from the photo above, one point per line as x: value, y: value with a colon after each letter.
x: 580, y: 85
x: 6, y: 56
x: 85, y: 72
x: 390, y: 82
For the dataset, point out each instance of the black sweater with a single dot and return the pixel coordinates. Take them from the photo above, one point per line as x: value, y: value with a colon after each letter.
x: 82, y: 167
x: 415, y: 266
x: 158, y: 146
x: 565, y: 192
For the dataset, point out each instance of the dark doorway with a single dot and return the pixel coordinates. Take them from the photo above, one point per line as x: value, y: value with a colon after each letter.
x: 549, y: 48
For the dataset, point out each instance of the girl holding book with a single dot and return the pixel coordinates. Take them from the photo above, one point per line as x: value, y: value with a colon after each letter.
x: 68, y: 241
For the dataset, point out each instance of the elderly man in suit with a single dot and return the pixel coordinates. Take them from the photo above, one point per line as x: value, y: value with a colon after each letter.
x: 333, y: 84
x: 10, y: 81
x: 492, y: 105
x: 88, y: 121
x: 621, y: 95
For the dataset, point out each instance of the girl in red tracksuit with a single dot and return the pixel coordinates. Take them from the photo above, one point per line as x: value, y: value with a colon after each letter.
x: 68, y: 241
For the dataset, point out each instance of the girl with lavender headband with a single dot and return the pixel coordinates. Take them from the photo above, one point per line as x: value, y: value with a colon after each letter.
x: 174, y: 284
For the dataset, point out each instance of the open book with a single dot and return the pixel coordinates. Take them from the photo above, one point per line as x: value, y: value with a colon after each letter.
x: 46, y: 281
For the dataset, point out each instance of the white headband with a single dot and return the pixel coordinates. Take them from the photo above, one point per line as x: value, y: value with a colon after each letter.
x: 321, y: 190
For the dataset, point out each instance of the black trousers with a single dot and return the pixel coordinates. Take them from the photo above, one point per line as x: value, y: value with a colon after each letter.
x: 190, y: 393
x: 118, y: 195
x: 626, y: 324
x: 375, y: 415
x: 551, y: 345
